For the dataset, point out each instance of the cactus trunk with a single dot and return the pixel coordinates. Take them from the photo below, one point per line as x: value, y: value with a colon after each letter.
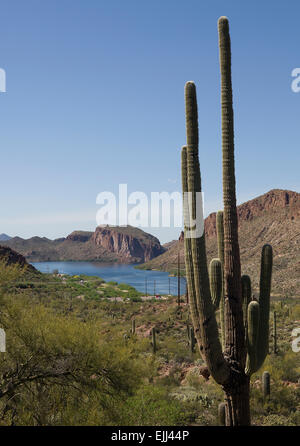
x: 237, y: 396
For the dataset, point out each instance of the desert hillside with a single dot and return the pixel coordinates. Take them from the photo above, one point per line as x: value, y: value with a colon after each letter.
x: 270, y: 218
x: 10, y: 257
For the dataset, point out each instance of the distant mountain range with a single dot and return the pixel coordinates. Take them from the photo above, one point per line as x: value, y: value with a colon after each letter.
x: 105, y: 244
x: 270, y: 218
x: 4, y: 237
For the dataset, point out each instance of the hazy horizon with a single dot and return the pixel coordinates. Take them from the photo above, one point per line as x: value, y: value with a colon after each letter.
x: 148, y: 229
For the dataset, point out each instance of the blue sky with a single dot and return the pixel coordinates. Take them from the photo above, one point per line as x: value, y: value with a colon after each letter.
x: 95, y: 97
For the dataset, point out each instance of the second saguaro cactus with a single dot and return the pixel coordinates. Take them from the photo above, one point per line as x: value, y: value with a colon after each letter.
x: 266, y: 385
x: 274, y: 333
x: 192, y: 340
x: 244, y: 333
x: 153, y: 332
x: 133, y: 326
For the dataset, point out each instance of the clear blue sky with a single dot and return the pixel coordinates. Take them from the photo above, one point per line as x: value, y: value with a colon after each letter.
x: 95, y: 97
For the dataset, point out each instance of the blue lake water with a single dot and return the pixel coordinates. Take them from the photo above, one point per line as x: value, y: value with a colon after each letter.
x: 119, y: 273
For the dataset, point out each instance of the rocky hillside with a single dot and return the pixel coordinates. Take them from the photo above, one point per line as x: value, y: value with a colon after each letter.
x: 270, y: 218
x: 106, y: 244
x: 11, y: 257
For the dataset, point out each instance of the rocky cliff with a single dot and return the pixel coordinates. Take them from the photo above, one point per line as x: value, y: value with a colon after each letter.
x: 127, y: 244
x: 275, y: 200
x: 106, y: 244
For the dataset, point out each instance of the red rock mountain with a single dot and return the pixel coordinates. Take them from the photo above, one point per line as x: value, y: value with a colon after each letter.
x: 273, y: 200
x: 106, y: 244
x: 270, y: 218
x: 126, y: 244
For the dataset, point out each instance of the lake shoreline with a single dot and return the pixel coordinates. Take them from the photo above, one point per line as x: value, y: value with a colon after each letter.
x: 146, y: 281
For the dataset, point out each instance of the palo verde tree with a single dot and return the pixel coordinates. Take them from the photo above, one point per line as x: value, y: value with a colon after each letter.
x: 244, y: 322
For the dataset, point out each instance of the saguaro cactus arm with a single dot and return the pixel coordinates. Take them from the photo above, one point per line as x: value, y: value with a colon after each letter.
x: 246, y: 297
x: 215, y: 280
x: 252, y: 338
x: 220, y: 239
x: 264, y: 303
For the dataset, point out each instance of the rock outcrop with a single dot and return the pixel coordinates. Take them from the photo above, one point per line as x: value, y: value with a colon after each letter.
x: 273, y: 201
x: 127, y: 245
x: 106, y: 244
x: 11, y: 257
x: 79, y: 236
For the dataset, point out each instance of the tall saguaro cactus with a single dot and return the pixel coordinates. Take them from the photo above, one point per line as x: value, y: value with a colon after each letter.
x: 244, y: 323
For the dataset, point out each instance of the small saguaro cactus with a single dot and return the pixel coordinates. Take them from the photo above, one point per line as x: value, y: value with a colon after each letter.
x: 125, y: 337
x: 192, y: 340
x: 222, y: 413
x: 266, y: 385
x: 275, y: 333
x: 153, y: 332
x: 244, y: 323
x: 133, y: 326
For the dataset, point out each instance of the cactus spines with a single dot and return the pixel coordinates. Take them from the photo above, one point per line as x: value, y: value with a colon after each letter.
x: 252, y: 338
x: 266, y: 385
x: 222, y: 413
x: 153, y: 332
x: 215, y: 279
